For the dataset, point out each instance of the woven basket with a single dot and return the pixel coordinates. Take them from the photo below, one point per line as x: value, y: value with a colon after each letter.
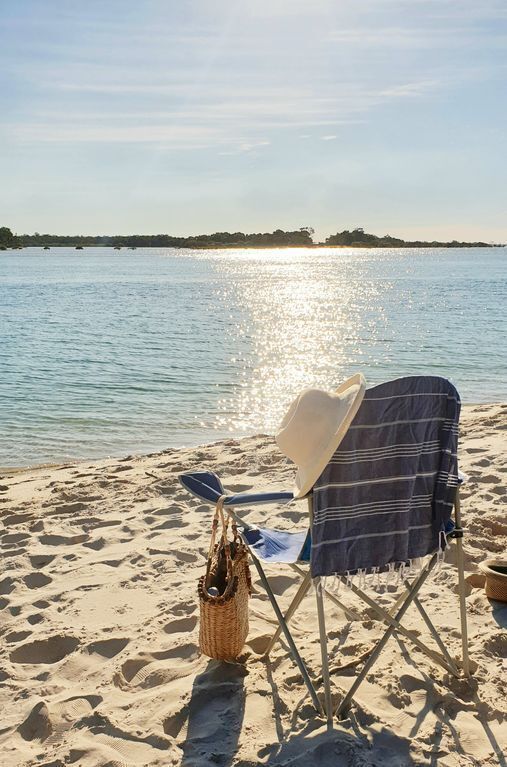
x: 495, y: 571
x: 223, y: 626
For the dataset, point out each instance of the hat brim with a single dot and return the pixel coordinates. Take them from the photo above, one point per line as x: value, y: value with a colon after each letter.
x: 307, y: 477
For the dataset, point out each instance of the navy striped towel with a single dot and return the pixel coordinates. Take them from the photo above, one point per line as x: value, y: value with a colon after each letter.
x: 388, y: 492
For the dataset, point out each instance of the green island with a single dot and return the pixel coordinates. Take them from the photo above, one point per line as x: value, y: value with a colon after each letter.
x: 303, y: 238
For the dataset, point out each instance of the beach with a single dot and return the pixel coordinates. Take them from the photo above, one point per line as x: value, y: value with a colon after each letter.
x: 99, y: 659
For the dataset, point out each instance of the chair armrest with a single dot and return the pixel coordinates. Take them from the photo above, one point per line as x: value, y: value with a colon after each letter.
x: 207, y: 486
x: 243, y: 499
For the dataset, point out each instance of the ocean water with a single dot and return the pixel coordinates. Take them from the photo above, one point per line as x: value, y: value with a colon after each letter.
x: 108, y: 352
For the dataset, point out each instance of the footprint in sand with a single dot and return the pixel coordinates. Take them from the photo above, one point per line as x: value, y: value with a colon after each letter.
x: 7, y: 585
x: 108, y: 648
x: 149, y: 670
x: 93, y: 523
x: 37, y: 725
x: 65, y: 508
x: 45, y: 725
x: 280, y: 583
x: 203, y: 509
x: 497, y: 528
x: 294, y: 516
x: 36, y: 580
x: 497, y: 645
x: 17, y: 519
x: 63, y: 540
x: 96, y: 545
x: 181, y: 626
x: 160, y: 552
x: 183, y: 498
x: 112, y: 562
x: 37, y: 527
x: 173, y: 723
x: 183, y: 608
x: 170, y: 524
x: 184, y: 556
x: 41, y: 560
x: 34, y: 619
x: 49, y: 650
x: 12, y: 554
x: 176, y: 509
x: 488, y: 478
x: 17, y: 636
x: 13, y: 538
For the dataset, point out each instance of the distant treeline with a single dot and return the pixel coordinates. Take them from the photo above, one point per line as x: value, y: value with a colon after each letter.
x: 358, y: 238
x: 303, y: 237
x: 299, y: 238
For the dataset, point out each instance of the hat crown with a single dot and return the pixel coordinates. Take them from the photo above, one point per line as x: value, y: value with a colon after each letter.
x: 308, y: 425
x: 314, y: 426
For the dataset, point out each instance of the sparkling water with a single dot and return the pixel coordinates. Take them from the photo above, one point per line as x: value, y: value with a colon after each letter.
x: 108, y: 352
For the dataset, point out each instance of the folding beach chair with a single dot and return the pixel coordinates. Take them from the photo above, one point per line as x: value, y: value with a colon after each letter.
x: 384, y: 500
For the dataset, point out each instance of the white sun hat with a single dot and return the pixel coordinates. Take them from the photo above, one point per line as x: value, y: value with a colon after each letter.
x: 314, y: 426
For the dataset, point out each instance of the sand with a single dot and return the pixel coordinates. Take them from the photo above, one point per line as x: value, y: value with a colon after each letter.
x: 99, y: 662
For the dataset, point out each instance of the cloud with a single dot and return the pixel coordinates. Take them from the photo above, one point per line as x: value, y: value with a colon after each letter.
x: 227, y: 80
x: 425, y: 36
x: 229, y: 123
x: 215, y: 117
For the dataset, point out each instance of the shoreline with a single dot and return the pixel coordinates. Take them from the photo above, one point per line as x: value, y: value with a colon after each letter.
x: 5, y: 471
x: 316, y: 245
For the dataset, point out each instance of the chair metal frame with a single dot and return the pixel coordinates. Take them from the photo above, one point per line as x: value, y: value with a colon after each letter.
x: 391, y: 618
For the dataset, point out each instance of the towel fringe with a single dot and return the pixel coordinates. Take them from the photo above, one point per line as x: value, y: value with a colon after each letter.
x: 393, y: 574
x: 379, y: 579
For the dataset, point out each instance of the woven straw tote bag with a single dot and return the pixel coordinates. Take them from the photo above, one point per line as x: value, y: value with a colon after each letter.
x: 224, y: 618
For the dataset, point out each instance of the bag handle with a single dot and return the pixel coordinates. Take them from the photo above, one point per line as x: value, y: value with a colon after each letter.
x: 219, y: 515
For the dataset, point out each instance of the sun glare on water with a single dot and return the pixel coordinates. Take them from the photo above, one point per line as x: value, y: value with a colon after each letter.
x: 299, y: 327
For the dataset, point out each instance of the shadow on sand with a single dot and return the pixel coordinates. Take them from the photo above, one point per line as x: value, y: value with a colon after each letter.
x: 215, y: 719
x: 216, y: 711
x: 499, y: 612
x: 215, y: 715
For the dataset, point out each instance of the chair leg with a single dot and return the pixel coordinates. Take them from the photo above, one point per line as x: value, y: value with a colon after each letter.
x: 298, y: 598
x: 295, y: 654
x: 390, y: 620
x: 461, y: 588
x: 397, y: 604
x: 344, y: 705
x: 434, y: 633
x: 323, y: 652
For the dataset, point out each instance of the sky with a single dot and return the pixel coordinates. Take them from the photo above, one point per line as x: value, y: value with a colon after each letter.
x: 194, y: 116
